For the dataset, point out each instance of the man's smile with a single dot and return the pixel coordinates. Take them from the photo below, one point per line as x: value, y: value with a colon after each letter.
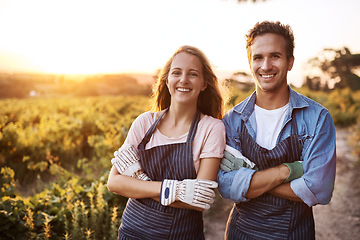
x: 267, y: 75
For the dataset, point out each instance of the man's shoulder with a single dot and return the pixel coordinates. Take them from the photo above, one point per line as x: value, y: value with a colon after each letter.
x: 310, y: 112
x: 301, y: 101
x: 240, y: 107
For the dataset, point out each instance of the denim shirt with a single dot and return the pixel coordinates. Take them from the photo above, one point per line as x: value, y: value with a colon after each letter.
x: 316, y: 130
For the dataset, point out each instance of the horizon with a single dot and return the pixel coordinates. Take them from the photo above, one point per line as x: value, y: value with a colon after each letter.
x: 141, y: 77
x: 111, y: 37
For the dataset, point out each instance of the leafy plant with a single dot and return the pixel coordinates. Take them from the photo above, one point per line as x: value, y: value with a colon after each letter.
x: 75, y: 210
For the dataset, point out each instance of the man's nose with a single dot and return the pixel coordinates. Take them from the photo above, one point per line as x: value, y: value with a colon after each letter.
x: 266, y: 64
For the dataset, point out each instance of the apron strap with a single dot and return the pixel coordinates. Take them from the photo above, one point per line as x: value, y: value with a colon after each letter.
x: 151, y: 130
x: 193, y: 127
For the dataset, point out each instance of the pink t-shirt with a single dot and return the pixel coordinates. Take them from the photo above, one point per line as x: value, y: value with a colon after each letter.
x: 209, y: 140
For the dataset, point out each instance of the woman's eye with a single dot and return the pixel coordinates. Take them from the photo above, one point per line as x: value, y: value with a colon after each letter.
x: 193, y: 74
x: 176, y: 73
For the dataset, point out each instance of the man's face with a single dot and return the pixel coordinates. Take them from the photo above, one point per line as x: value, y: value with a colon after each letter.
x: 268, y: 62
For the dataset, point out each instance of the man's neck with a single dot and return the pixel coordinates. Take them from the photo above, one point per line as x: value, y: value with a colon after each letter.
x: 272, y: 100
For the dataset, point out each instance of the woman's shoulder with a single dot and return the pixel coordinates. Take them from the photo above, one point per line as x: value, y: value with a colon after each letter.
x: 210, y: 119
x: 144, y: 119
x: 212, y: 131
x: 212, y: 122
x: 147, y: 118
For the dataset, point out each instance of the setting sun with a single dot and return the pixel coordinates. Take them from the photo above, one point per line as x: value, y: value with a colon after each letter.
x: 71, y: 37
x: 115, y: 36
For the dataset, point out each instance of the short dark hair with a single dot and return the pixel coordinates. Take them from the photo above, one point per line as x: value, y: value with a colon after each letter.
x: 261, y: 28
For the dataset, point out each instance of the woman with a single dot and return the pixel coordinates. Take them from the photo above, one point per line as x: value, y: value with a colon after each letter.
x: 179, y: 145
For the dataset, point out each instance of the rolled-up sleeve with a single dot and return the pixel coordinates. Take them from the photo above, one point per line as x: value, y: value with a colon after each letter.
x: 235, y: 184
x: 319, y: 162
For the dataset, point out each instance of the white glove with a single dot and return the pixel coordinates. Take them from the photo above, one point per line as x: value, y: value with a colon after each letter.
x: 234, y: 160
x: 195, y: 192
x: 127, y: 162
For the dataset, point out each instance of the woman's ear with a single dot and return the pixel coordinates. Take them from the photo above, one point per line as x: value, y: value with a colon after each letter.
x: 204, y: 87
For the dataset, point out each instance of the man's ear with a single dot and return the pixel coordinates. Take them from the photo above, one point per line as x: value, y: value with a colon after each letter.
x: 291, y: 63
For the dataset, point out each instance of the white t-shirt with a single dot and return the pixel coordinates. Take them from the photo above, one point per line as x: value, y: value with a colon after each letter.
x: 209, y: 140
x: 268, y: 125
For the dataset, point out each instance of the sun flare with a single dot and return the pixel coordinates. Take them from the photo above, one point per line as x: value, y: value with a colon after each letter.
x: 69, y: 37
x: 117, y: 36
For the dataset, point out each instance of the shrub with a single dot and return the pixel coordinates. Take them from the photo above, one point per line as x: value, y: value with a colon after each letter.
x: 74, y: 210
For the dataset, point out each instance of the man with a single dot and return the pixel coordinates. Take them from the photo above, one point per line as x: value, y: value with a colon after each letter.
x: 273, y: 126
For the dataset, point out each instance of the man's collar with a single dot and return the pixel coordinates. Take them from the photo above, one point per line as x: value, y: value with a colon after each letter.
x: 296, y: 101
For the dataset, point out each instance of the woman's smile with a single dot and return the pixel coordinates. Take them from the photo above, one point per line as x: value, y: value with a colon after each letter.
x: 181, y: 89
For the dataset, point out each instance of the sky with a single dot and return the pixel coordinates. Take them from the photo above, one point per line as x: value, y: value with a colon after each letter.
x: 115, y: 36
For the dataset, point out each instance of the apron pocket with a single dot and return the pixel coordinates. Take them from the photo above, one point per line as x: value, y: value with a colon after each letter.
x: 143, y: 222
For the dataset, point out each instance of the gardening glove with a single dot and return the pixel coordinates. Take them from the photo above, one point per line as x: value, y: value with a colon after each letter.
x: 127, y: 162
x: 296, y: 170
x: 234, y: 160
x: 195, y: 192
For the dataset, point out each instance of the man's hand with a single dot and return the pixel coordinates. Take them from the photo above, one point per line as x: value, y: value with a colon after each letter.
x: 127, y: 162
x: 195, y: 192
x: 296, y: 170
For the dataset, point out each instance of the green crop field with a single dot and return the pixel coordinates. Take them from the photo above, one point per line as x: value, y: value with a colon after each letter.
x: 55, y: 157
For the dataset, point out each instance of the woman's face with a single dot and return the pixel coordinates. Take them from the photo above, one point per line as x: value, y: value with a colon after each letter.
x: 185, y: 80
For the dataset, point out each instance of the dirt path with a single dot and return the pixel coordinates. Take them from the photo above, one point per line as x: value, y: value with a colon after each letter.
x: 339, y: 220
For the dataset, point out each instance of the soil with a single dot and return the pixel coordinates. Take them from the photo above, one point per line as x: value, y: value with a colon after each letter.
x: 338, y: 220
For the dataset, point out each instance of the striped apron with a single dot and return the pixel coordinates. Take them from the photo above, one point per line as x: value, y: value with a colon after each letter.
x: 147, y: 218
x: 268, y: 216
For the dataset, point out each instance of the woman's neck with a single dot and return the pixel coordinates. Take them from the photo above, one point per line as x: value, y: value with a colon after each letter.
x: 177, y: 121
x: 181, y: 113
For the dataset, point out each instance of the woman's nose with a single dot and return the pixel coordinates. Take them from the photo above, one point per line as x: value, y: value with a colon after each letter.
x: 183, y: 78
